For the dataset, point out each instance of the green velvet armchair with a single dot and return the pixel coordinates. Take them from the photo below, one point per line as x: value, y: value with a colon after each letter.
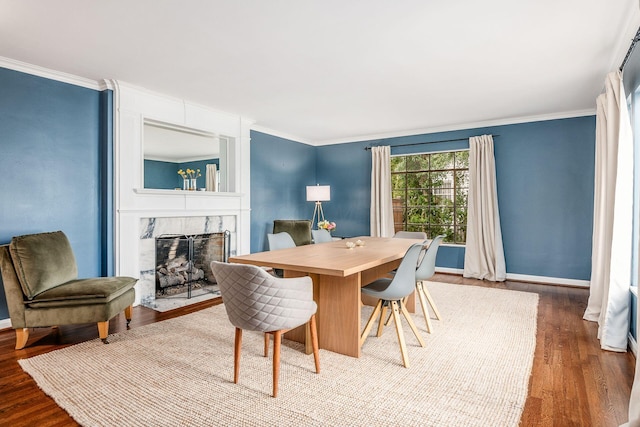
x: 42, y: 288
x: 299, y: 229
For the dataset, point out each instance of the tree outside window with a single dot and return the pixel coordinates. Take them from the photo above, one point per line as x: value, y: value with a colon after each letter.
x: 430, y: 194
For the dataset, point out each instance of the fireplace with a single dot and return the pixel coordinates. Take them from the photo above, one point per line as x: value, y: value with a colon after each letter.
x: 183, y: 261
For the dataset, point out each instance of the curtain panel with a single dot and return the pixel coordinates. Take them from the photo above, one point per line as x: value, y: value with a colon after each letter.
x: 381, y: 214
x: 484, y: 254
x: 612, y: 218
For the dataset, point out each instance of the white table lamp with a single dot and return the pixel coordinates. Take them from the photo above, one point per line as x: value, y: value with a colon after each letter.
x: 318, y: 194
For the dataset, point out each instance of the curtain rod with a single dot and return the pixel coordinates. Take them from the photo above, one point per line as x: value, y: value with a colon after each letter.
x: 428, y: 142
x: 635, y: 40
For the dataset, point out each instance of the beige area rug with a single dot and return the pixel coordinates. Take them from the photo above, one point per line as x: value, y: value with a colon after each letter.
x: 474, y: 371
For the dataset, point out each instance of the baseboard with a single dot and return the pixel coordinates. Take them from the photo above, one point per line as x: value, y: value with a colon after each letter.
x: 5, y: 324
x: 549, y: 280
x: 633, y: 345
x: 527, y: 278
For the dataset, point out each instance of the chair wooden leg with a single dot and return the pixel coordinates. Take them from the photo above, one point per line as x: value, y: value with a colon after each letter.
x: 369, y: 324
x: 266, y: 344
x: 423, y: 304
x: 381, y: 322
x: 103, y: 331
x: 277, y: 340
x: 412, y: 325
x: 237, y: 348
x: 314, y: 342
x: 395, y: 311
x: 128, y: 314
x: 22, y: 335
x: 430, y: 299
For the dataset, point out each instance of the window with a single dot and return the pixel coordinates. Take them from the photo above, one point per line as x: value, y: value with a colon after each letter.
x: 430, y: 194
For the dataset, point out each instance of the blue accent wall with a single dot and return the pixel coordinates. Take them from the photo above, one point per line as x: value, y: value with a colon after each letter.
x: 56, y: 148
x: 545, y: 173
x: 280, y: 171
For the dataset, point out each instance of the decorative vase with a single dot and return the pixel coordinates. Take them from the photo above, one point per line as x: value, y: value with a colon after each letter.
x: 194, y: 184
x: 185, y: 184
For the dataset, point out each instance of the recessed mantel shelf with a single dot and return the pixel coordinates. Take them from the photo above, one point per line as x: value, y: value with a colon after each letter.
x: 157, y: 192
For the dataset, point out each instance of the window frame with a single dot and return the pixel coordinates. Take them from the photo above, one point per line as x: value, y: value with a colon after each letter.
x: 454, y: 190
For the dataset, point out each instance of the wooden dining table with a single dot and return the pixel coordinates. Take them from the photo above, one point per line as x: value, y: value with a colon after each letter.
x: 338, y: 273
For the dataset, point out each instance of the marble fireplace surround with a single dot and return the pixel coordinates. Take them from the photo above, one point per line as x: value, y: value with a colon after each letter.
x: 150, y: 228
x: 141, y: 214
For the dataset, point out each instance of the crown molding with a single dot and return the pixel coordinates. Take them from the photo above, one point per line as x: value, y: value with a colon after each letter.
x: 60, y: 76
x: 462, y: 126
x: 279, y: 134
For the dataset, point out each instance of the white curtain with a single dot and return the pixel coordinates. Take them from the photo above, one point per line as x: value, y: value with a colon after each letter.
x: 612, y: 218
x: 212, y: 177
x: 484, y: 254
x: 381, y: 204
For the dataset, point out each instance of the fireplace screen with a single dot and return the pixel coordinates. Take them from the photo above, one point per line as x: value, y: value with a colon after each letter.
x: 183, y: 262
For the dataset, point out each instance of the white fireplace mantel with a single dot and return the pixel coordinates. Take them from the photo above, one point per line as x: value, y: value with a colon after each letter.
x: 132, y: 106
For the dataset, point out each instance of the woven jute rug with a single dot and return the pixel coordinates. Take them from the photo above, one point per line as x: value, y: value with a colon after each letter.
x: 474, y: 371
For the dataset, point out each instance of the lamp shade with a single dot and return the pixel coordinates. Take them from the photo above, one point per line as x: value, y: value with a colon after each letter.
x: 318, y: 193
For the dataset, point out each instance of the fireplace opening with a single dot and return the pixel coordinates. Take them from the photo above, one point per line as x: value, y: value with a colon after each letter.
x: 183, y: 262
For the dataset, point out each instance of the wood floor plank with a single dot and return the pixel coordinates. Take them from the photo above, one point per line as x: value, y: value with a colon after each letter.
x: 573, y: 382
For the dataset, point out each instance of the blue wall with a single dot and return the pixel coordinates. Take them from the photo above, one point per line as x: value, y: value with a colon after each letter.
x: 280, y: 171
x: 545, y: 173
x: 55, y: 146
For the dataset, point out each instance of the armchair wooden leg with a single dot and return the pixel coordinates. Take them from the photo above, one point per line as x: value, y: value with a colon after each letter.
x: 127, y: 314
x: 22, y: 335
x: 314, y: 342
x: 236, y: 355
x: 103, y: 331
x: 277, y: 340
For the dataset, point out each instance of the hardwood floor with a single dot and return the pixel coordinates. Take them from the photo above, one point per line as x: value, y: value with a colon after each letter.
x: 573, y: 382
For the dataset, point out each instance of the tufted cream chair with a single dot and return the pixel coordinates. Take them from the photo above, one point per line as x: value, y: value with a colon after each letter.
x: 257, y: 301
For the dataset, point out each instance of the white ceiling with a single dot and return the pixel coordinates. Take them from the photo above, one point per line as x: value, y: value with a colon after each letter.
x: 338, y: 70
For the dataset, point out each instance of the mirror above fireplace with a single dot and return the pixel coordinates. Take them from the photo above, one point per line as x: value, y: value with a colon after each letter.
x: 169, y: 149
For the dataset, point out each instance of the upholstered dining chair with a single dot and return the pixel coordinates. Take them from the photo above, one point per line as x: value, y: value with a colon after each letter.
x: 282, y: 240
x: 321, y: 236
x: 426, y: 270
x: 257, y: 301
x: 298, y: 229
x: 391, y: 293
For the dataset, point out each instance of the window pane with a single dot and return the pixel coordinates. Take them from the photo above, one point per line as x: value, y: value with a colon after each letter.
x: 398, y: 181
x: 418, y: 162
x: 462, y: 159
x: 442, y: 161
x: 419, y: 180
x: 398, y: 164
